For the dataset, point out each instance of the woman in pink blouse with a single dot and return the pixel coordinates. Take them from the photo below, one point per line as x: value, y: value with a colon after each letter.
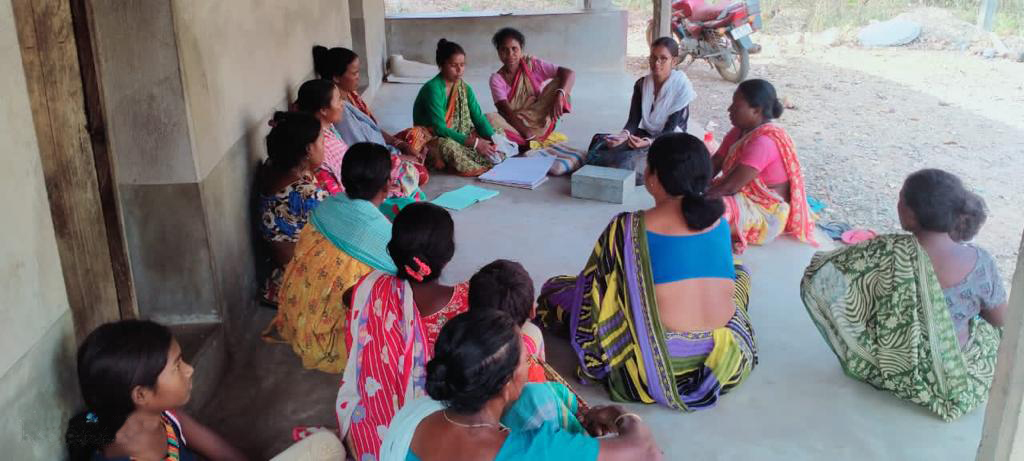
x: 527, y: 108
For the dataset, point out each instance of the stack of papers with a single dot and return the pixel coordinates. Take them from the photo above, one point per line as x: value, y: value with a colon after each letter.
x: 523, y: 172
x: 463, y: 197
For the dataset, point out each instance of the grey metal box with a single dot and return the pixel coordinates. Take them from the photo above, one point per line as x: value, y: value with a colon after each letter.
x: 612, y: 185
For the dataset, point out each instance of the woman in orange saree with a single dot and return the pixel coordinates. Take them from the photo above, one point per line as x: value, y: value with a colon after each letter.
x: 759, y: 174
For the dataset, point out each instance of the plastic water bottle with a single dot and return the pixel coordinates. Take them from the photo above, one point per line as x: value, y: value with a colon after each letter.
x: 709, y: 137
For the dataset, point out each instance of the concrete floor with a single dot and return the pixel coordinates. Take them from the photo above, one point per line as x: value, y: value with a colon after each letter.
x: 797, y: 404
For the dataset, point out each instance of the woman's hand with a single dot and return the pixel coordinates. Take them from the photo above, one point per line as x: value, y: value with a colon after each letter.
x: 560, y: 104
x: 409, y: 158
x: 613, y: 141
x: 409, y: 151
x: 600, y: 420
x: 636, y: 142
x: 485, y: 147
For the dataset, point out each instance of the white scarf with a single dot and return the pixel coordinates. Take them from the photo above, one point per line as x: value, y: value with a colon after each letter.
x: 395, y: 443
x: 676, y: 93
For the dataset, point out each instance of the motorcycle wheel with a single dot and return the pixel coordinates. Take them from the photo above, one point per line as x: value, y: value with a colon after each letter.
x: 734, y: 62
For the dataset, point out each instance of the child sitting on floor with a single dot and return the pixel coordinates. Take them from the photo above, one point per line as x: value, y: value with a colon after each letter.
x: 506, y: 286
x: 133, y: 381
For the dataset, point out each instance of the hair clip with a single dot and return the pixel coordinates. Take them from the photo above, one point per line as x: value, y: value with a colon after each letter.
x: 91, y: 418
x: 420, y: 273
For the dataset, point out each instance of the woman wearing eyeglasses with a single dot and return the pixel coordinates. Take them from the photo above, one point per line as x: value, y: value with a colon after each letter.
x: 661, y: 104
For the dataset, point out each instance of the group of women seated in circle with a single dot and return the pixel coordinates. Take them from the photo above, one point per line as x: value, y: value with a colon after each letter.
x: 659, y: 313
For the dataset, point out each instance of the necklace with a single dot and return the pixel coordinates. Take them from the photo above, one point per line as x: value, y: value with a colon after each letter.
x: 499, y: 426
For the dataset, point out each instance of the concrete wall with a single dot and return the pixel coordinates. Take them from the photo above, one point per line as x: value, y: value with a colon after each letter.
x: 369, y: 41
x: 36, y: 334
x: 582, y: 40
x: 188, y: 87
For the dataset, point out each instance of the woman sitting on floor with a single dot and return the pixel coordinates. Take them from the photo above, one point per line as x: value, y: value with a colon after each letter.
x: 480, y: 407
x: 761, y: 180
x: 660, y: 104
x: 916, y: 314
x: 287, y: 191
x: 527, y: 109
x: 505, y: 286
x: 321, y: 99
x: 659, y: 311
x: 346, y: 240
x: 446, y: 113
x: 395, y: 320
x: 341, y: 66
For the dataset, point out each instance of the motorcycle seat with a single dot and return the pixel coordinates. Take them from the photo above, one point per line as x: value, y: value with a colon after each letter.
x: 687, y: 6
x: 705, y: 12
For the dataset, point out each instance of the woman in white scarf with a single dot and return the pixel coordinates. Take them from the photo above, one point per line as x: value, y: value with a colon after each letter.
x: 660, y: 104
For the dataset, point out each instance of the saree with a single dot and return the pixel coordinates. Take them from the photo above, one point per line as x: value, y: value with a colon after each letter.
x: 611, y: 316
x: 880, y: 308
x: 358, y: 125
x: 540, y: 428
x: 387, y: 360
x: 533, y: 106
x: 757, y: 214
x: 346, y: 239
x: 444, y: 121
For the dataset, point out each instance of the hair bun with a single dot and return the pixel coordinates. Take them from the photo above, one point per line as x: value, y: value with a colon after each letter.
x: 437, y: 386
x: 777, y: 108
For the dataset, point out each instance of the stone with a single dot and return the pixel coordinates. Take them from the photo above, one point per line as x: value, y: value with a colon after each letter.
x: 604, y: 184
x: 895, y: 32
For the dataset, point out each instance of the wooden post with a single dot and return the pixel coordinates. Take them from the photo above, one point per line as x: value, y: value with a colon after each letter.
x: 104, y: 161
x: 1003, y: 435
x: 50, y: 58
x: 662, y: 18
x: 987, y: 14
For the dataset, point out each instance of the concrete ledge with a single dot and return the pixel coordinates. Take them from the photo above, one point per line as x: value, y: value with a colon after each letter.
x: 580, y: 39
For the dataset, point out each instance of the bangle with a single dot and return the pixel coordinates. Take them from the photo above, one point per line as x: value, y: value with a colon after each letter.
x: 475, y: 142
x: 627, y: 415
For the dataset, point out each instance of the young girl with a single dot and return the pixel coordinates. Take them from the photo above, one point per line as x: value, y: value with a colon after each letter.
x: 133, y: 380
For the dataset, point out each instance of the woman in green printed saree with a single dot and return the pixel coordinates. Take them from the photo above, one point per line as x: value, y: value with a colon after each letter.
x: 659, y: 312
x: 916, y: 315
x: 448, y: 119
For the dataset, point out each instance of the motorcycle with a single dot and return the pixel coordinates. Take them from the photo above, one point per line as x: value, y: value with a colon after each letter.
x: 719, y: 34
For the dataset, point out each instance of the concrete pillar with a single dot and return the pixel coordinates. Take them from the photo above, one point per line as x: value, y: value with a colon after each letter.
x: 168, y: 240
x: 1003, y: 435
x: 987, y: 14
x: 662, y: 18
x: 368, y: 40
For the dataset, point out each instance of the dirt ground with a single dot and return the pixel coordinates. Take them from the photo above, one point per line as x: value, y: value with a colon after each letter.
x: 864, y: 119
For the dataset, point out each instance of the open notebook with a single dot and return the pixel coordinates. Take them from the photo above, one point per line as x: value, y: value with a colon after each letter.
x: 523, y: 172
